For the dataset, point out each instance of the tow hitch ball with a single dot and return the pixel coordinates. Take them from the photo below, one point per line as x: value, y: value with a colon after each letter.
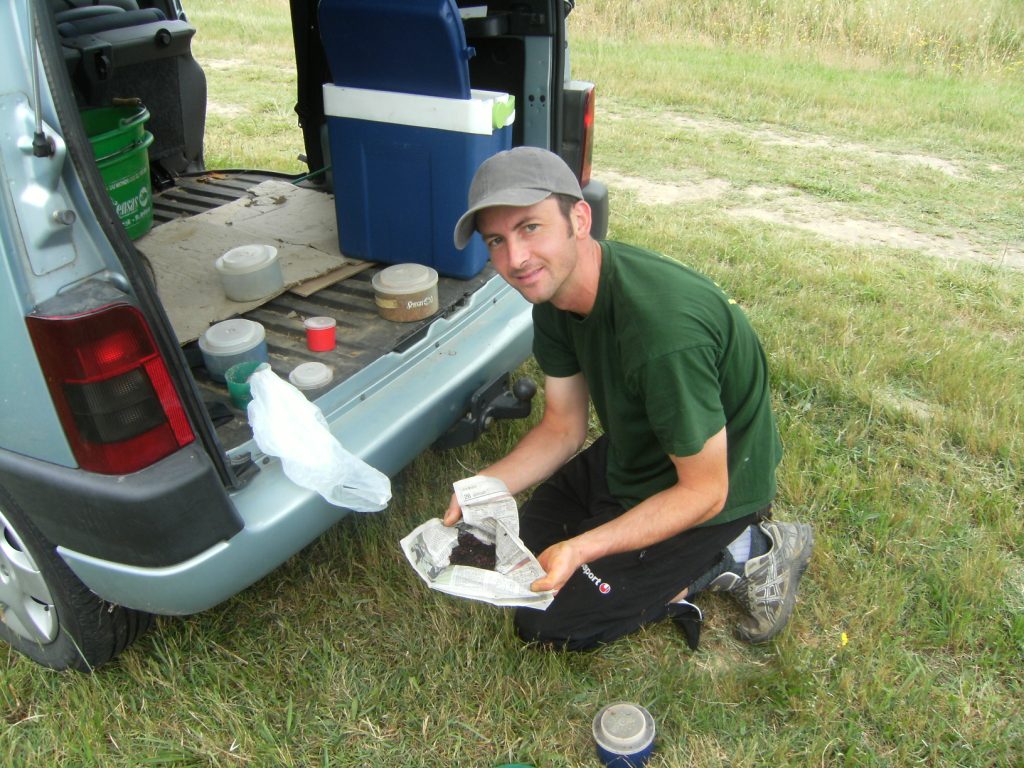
x: 500, y: 399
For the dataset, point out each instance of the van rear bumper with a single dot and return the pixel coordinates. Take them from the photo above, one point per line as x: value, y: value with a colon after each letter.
x: 159, y: 515
x: 386, y: 414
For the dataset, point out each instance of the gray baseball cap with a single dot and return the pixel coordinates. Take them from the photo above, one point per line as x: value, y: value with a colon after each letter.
x: 520, y: 177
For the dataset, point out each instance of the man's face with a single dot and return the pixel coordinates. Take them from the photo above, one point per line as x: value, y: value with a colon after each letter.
x: 535, y: 249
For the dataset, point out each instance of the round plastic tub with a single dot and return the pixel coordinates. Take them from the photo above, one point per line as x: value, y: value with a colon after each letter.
x: 320, y: 333
x: 232, y: 341
x: 624, y: 735
x: 250, y: 272
x: 405, y: 292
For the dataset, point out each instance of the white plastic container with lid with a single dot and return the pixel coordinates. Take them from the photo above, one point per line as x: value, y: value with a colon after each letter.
x: 307, y: 376
x: 405, y: 292
x: 624, y: 735
x: 232, y: 341
x: 250, y: 272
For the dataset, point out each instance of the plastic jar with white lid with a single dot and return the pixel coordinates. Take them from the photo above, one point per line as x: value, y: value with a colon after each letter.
x: 250, y: 272
x: 307, y: 376
x: 405, y: 292
x: 232, y: 341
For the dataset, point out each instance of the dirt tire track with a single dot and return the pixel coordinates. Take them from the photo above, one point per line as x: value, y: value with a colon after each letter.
x: 789, y: 207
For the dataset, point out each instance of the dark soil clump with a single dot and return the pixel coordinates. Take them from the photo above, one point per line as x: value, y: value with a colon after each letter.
x: 473, y: 552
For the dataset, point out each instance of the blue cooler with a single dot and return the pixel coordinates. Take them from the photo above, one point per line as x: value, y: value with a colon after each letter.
x: 402, y: 165
x: 406, y: 131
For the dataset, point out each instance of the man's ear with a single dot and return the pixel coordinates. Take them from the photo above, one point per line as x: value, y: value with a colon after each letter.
x: 582, y: 218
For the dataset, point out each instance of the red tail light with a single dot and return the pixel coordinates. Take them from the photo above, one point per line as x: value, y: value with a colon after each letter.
x: 588, y: 136
x: 111, y: 388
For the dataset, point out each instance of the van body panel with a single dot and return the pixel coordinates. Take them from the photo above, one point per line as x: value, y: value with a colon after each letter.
x: 161, y: 515
x: 279, y: 518
x: 211, y: 514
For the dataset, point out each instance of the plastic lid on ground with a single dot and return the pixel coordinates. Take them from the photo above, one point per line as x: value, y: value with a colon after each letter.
x: 232, y: 336
x: 311, y: 376
x: 623, y: 728
x: 404, y: 278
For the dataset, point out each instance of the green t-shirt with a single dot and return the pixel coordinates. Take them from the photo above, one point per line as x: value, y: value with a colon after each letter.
x: 669, y: 360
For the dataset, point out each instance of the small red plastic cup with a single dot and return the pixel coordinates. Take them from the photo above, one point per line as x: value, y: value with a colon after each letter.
x: 320, y: 333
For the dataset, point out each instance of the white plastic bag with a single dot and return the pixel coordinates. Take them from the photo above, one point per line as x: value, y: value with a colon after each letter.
x: 287, y: 425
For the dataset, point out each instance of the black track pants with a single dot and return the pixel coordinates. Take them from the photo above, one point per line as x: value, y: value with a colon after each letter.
x: 614, y: 595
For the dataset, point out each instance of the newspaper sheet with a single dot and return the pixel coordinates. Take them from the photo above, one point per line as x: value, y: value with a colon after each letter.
x: 489, y: 513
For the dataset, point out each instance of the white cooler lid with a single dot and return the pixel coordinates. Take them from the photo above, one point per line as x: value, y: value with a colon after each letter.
x: 482, y: 113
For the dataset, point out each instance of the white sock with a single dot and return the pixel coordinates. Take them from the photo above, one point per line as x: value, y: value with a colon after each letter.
x: 739, y: 548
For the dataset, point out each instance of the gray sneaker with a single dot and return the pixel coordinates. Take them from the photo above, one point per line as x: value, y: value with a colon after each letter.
x: 767, y: 588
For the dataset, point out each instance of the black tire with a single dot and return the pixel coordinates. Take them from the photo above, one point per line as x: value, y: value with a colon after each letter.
x: 47, y: 613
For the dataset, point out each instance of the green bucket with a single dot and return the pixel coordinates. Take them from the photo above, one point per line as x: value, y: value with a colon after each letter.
x: 120, y: 143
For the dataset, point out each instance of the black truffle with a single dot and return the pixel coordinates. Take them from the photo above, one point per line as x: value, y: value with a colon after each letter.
x: 473, y: 552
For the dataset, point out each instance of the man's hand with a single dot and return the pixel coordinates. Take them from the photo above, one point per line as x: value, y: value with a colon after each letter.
x: 559, y: 562
x: 453, y: 513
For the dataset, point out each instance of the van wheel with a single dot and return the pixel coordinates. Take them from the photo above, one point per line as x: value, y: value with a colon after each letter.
x: 47, y: 613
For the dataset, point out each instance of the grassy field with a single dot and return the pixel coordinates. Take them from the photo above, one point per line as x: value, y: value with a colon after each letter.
x: 851, y: 173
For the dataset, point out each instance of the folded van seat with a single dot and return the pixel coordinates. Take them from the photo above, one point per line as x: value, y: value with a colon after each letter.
x: 63, y: 6
x: 100, y: 18
x: 151, y: 61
